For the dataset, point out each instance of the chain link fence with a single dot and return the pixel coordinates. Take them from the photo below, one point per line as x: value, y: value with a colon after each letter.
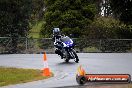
x: 31, y: 45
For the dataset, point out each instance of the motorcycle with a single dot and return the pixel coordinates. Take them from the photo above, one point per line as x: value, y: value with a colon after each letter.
x: 65, y: 48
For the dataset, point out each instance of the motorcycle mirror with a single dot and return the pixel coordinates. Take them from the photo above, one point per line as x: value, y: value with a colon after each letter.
x: 71, y: 35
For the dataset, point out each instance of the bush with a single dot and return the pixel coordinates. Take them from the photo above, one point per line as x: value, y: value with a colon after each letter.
x: 107, y: 28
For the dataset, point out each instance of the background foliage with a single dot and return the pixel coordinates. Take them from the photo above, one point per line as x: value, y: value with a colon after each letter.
x: 122, y: 9
x: 72, y: 17
x: 16, y: 17
x: 108, y: 28
x: 89, y: 19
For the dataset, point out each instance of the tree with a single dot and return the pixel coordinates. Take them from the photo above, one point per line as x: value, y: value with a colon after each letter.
x: 70, y: 16
x: 15, y: 16
x: 98, y: 4
x: 38, y: 8
x: 122, y: 9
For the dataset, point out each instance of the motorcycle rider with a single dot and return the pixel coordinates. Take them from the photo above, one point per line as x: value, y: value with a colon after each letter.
x: 57, y: 41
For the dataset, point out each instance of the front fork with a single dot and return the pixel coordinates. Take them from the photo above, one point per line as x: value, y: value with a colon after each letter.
x: 70, y: 53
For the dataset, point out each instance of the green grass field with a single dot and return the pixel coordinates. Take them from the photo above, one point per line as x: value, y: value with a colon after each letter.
x: 14, y: 75
x: 34, y: 32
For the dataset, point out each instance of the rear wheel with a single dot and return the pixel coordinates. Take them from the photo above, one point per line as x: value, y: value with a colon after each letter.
x: 66, y: 56
x: 67, y: 60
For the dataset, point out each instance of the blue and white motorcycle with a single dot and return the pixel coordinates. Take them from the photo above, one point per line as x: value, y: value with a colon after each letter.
x: 65, y: 48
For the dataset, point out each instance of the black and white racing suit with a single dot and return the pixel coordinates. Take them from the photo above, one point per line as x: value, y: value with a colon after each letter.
x: 58, y: 45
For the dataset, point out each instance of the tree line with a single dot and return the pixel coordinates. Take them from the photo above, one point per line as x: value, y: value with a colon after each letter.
x: 81, y: 18
x: 87, y: 19
x: 16, y: 18
x: 96, y: 19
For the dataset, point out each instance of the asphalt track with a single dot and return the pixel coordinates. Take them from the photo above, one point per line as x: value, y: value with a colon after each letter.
x: 100, y: 63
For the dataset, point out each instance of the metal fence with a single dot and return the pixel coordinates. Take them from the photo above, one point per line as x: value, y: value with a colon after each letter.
x: 30, y: 45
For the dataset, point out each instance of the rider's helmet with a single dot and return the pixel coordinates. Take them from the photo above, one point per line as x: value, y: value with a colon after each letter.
x: 56, y: 31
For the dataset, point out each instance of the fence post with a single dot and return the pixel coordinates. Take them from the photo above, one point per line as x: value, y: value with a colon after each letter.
x: 26, y: 44
x: 100, y: 41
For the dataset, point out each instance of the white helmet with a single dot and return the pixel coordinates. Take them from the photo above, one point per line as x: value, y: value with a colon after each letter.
x: 56, y: 31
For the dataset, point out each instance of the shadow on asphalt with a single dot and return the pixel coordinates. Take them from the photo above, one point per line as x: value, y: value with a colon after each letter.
x: 94, y: 85
x: 67, y: 63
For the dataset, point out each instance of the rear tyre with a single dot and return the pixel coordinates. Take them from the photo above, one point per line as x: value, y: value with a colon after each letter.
x: 66, y: 57
x: 67, y: 60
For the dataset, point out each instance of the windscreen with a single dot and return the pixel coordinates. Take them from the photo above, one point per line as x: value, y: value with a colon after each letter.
x: 65, y: 39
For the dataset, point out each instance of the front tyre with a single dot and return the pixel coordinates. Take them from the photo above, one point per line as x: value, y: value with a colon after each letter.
x: 76, y: 59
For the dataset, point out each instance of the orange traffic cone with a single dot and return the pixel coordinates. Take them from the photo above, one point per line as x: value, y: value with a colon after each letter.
x: 46, y: 70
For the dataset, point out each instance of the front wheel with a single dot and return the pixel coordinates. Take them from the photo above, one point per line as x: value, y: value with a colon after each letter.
x: 76, y: 59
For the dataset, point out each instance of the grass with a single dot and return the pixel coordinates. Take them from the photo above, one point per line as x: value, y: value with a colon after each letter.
x: 18, y: 75
x: 129, y: 86
x: 34, y: 32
